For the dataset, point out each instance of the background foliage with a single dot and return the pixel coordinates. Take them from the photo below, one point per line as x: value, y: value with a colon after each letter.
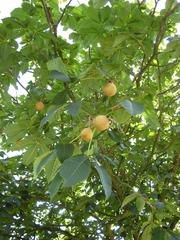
x: 123, y: 184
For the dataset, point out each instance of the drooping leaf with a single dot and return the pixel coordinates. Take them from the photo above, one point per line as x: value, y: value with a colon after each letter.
x: 74, y: 170
x: 64, y: 151
x: 173, y: 235
x: 121, y: 116
x: 129, y: 199
x: 73, y: 108
x: 114, y: 135
x: 57, y: 64
x: 140, y: 202
x: 55, y: 185
x: 30, y: 155
x: 60, y: 98
x: 105, y: 180
x: 99, y: 3
x: 49, y: 115
x: 52, y: 168
x: 159, y: 234
x: 42, y: 161
x: 133, y: 108
x: 59, y: 76
x: 147, y: 233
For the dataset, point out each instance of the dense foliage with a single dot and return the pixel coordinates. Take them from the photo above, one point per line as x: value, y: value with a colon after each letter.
x: 122, y: 184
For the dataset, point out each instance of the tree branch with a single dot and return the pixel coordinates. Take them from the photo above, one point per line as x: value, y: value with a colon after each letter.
x: 21, y: 85
x: 155, y: 6
x: 158, y: 40
x: 62, y: 15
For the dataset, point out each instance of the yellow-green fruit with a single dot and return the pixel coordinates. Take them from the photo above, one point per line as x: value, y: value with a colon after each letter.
x: 101, y: 123
x: 109, y: 89
x: 39, y: 106
x: 86, y: 134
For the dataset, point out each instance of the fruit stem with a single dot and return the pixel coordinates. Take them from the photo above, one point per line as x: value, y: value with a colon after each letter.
x: 75, y: 138
x: 89, y: 146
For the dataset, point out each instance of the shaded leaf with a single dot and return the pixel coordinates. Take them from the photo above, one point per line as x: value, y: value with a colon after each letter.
x: 105, y: 180
x: 114, y: 135
x: 50, y: 115
x: 121, y: 116
x: 56, y: 64
x: 73, y: 108
x: 55, y: 185
x: 147, y: 233
x: 129, y: 199
x: 133, y: 108
x: 60, y: 98
x: 30, y: 155
x: 173, y: 236
x: 99, y: 3
x: 159, y: 234
x: 42, y: 160
x: 59, y: 76
x: 64, y: 151
x: 140, y: 202
x: 51, y: 169
x: 75, y: 169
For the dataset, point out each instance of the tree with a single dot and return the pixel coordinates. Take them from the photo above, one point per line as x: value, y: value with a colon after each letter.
x: 122, y: 181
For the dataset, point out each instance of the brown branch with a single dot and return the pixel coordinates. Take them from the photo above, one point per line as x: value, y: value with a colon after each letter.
x: 53, y: 228
x: 21, y: 85
x: 48, y: 15
x: 53, y: 29
x: 155, y: 6
x: 158, y: 40
x: 62, y: 15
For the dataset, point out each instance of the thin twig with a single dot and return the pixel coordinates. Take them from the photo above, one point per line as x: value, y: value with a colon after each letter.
x: 155, y: 6
x: 62, y: 15
x: 57, y: 52
x: 51, y: 27
x: 158, y: 40
x: 22, y: 85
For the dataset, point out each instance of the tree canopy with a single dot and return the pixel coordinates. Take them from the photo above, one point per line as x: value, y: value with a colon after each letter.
x: 117, y: 180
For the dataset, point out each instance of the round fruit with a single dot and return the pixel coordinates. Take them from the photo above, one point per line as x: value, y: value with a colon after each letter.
x: 109, y: 89
x: 101, y: 123
x: 86, y: 134
x: 39, y: 106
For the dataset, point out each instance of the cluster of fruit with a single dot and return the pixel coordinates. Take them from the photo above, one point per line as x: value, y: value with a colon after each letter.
x: 100, y: 122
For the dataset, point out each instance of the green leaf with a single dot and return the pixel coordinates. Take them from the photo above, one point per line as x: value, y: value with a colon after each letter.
x: 55, y: 185
x: 59, y: 76
x: 140, y: 202
x: 60, y: 98
x: 147, y: 233
x: 42, y: 161
x: 99, y: 3
x: 121, y: 115
x: 16, y: 131
x: 30, y: 155
x: 159, y: 234
x: 50, y: 114
x: 20, y: 14
x: 105, y: 180
x: 64, y: 151
x: 73, y: 108
x: 56, y: 65
x: 133, y: 108
x: 114, y: 135
x: 52, y: 168
x: 129, y: 199
x: 173, y: 235
x: 75, y: 169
